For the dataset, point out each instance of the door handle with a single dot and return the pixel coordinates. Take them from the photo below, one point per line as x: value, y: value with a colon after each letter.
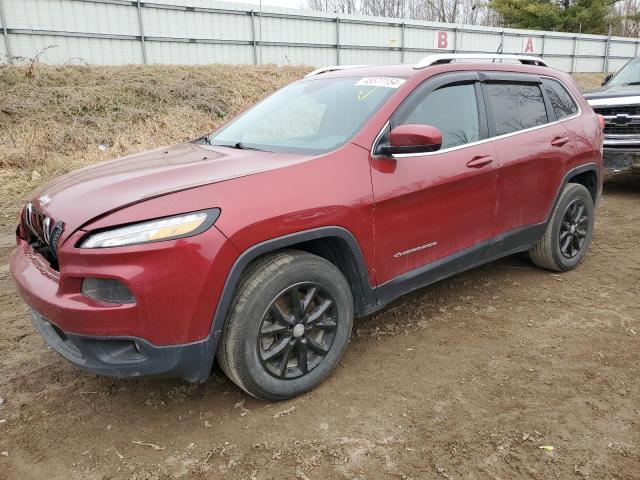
x: 559, y: 141
x: 479, y: 162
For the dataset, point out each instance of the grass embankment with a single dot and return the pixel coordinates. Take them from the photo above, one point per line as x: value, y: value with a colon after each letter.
x: 54, y: 119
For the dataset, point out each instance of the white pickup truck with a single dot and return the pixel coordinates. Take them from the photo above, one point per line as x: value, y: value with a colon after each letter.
x: 618, y: 101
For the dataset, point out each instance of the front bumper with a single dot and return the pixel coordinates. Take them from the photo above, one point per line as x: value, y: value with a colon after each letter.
x: 166, y: 332
x: 621, y: 152
x: 130, y: 357
x: 621, y: 159
x: 176, y: 285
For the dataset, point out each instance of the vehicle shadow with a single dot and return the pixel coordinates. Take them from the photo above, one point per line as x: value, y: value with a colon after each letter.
x: 623, y: 184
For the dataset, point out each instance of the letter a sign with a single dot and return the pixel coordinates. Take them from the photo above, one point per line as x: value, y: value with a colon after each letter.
x: 527, y: 45
x: 442, y: 40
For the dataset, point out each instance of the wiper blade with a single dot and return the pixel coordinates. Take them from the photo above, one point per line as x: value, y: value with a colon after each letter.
x: 242, y: 146
x: 631, y: 83
x: 239, y: 146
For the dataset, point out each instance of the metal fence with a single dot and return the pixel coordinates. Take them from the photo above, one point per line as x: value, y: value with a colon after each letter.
x: 203, y: 32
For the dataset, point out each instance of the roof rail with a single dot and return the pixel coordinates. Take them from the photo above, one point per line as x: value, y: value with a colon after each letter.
x: 449, y: 57
x: 332, y: 69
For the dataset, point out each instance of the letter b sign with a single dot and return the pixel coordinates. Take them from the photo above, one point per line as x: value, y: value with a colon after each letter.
x: 442, y: 40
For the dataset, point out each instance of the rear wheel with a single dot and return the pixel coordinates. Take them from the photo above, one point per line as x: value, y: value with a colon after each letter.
x: 568, y: 233
x: 288, y: 325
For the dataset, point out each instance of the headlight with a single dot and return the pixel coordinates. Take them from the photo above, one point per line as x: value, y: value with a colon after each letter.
x: 168, y: 228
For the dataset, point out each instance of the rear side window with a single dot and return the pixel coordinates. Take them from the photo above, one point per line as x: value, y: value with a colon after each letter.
x: 516, y: 106
x: 563, y: 104
x: 453, y: 110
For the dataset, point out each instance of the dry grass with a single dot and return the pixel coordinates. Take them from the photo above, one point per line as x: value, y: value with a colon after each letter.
x: 589, y: 81
x: 53, y: 119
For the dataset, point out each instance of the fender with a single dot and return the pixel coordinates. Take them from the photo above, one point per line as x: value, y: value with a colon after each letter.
x: 368, y: 293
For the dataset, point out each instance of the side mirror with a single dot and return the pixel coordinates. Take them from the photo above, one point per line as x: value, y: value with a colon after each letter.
x: 412, y: 139
x: 606, y: 79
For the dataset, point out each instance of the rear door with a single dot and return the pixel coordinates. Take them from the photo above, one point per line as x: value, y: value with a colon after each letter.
x: 428, y: 206
x: 531, y: 145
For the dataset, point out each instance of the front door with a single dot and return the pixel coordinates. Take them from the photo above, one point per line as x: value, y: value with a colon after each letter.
x: 431, y: 206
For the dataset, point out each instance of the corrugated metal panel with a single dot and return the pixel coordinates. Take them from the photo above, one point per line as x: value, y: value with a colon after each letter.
x: 559, y: 46
x: 205, y: 31
x: 201, y: 25
x: 371, y: 35
x: 358, y: 56
x: 480, y: 42
x: 626, y: 49
x: 296, y: 31
x: 594, y: 48
x: 616, y: 64
x: 197, y: 53
x: 76, y: 50
x: 71, y: 16
x: 419, y: 38
x: 589, y: 64
x: 284, y: 55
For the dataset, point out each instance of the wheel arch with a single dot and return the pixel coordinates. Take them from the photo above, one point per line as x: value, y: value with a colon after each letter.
x: 586, y: 175
x: 335, y: 244
x: 587, y: 178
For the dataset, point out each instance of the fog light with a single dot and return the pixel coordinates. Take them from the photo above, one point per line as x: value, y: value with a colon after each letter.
x: 107, y: 290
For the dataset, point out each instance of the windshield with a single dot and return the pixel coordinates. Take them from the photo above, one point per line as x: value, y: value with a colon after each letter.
x: 628, y: 75
x: 311, y: 116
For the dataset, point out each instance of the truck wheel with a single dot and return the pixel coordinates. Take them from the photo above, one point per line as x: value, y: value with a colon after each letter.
x: 568, y: 233
x: 288, y: 325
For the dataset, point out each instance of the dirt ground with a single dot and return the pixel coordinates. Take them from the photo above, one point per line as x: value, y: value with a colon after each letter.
x: 466, y: 379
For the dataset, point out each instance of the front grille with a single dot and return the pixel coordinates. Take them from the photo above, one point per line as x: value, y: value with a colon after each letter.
x: 621, y: 120
x: 621, y: 129
x: 42, y: 233
x: 621, y: 109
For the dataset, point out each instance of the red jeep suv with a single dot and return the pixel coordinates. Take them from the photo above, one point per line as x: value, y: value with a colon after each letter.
x: 259, y: 243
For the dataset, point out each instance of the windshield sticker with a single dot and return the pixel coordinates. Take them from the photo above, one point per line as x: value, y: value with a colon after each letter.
x: 363, y: 94
x: 388, y: 82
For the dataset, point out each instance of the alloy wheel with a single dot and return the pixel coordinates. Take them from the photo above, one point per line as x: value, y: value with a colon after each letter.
x: 573, y: 230
x: 297, y: 331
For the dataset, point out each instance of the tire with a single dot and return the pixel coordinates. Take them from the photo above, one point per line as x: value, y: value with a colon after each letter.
x: 261, y: 321
x: 566, y: 240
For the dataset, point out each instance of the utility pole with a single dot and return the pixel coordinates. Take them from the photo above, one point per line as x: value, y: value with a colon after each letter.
x: 6, y: 35
x: 260, y: 35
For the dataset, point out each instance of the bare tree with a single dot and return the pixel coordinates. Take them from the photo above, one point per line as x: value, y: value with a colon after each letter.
x: 332, y: 6
x: 628, y: 12
x: 475, y: 12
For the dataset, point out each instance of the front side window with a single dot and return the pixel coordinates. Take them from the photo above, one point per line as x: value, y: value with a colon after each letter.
x: 563, y: 104
x: 311, y: 116
x: 453, y: 110
x: 516, y: 106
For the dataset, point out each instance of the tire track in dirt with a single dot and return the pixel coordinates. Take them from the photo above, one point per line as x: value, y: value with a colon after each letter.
x: 463, y: 379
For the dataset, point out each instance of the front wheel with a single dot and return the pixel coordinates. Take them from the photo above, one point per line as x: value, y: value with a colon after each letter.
x: 568, y: 233
x: 288, y: 325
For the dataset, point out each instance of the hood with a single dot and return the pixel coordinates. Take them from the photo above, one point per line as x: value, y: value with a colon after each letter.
x: 83, y: 195
x: 614, y: 92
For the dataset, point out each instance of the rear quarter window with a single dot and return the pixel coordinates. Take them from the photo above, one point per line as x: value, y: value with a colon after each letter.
x: 516, y: 106
x: 563, y: 103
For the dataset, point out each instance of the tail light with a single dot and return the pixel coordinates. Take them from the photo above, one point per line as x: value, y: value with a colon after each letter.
x: 601, y: 122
